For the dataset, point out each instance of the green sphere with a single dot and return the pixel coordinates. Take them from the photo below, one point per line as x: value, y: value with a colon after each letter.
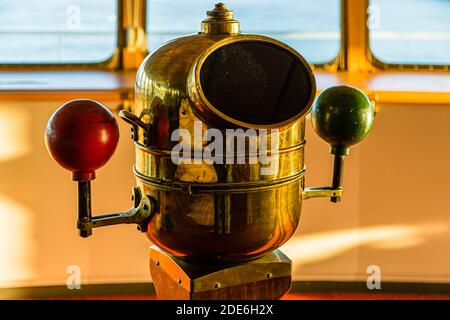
x: 342, y: 116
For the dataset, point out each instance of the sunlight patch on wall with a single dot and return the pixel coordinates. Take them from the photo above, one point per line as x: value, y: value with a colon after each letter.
x: 314, y: 248
x: 16, y: 244
x: 15, y: 126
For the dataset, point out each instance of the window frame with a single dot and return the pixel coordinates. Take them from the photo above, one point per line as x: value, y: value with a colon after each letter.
x: 381, y: 65
x: 112, y: 63
x: 339, y: 62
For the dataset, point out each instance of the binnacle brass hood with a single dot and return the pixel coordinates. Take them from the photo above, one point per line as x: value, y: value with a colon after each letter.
x: 221, y: 79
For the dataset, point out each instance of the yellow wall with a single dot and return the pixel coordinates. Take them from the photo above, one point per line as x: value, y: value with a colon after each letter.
x: 395, y: 212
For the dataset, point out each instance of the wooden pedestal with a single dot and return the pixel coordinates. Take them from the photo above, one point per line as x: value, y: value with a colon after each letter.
x: 265, y: 278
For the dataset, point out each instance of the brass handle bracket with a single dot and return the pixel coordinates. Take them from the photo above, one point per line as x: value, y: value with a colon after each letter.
x: 321, y: 192
x: 136, y: 123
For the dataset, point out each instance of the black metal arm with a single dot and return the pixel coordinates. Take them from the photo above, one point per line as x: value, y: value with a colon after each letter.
x: 334, y: 192
x: 338, y: 175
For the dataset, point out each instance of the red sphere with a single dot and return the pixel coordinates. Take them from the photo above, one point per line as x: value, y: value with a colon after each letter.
x: 81, y: 136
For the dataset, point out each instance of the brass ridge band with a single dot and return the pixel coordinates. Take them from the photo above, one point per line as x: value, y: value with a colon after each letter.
x: 214, y: 188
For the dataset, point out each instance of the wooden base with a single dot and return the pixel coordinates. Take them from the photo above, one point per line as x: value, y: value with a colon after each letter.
x: 265, y: 278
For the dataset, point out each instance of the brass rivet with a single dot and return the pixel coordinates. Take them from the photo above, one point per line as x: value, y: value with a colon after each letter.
x: 179, y: 281
x: 217, y: 285
x: 269, y: 275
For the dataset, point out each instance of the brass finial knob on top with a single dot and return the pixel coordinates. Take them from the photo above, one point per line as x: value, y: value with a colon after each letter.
x: 220, y: 21
x: 220, y: 12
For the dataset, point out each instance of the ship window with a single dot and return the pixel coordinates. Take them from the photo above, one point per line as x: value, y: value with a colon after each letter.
x: 57, y: 32
x: 310, y: 27
x: 409, y: 32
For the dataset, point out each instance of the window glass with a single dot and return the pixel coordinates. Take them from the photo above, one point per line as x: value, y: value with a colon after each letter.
x: 57, y: 31
x: 310, y: 27
x: 410, y: 31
